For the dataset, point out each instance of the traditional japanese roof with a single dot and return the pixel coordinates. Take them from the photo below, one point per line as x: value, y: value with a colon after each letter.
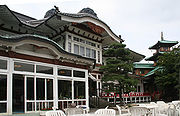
x: 154, y: 57
x: 143, y: 65
x: 163, y: 43
x: 52, y: 23
x: 136, y: 56
x: 152, y: 72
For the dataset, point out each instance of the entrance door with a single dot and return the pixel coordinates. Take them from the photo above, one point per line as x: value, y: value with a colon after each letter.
x: 18, y: 93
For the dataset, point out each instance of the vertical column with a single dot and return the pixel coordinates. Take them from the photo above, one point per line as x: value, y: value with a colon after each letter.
x: 97, y: 87
x: 87, y: 88
x: 9, y: 86
x: 35, y: 104
x: 101, y: 54
x: 25, y: 94
x: 72, y: 87
x: 66, y: 42
x: 72, y: 91
x: 55, y: 86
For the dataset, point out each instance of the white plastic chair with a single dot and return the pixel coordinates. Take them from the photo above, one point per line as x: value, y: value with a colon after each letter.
x: 124, y: 110
x: 177, y: 107
x: 106, y: 107
x: 84, y: 107
x: 105, y: 112
x: 139, y: 111
x: 162, y: 109
x: 73, y: 111
x: 55, y: 113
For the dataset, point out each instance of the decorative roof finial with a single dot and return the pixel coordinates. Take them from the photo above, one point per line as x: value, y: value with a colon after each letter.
x: 162, y: 38
x: 57, y: 8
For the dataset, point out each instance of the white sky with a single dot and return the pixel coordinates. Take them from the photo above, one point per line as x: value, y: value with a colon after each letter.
x: 139, y: 22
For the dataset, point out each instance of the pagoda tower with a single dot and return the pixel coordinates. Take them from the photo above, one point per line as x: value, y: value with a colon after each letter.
x: 161, y: 47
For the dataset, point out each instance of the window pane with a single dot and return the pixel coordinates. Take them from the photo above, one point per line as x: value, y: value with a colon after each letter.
x: 76, y: 49
x: 82, y: 51
x: 93, y: 53
x: 76, y: 39
x: 40, y: 89
x: 18, y: 66
x: 79, y: 90
x: 79, y: 74
x: 69, y: 36
x: 98, y: 56
x: 3, y: 87
x: 3, y: 64
x: 93, y: 44
x: 64, y: 89
x: 69, y: 46
x: 82, y: 41
x: 30, y: 88
x: 44, y: 69
x: 49, y: 89
x: 64, y: 72
x: 3, y: 107
x: 88, y: 53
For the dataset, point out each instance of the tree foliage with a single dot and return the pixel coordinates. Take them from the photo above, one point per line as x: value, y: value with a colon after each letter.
x: 167, y: 79
x: 116, y: 70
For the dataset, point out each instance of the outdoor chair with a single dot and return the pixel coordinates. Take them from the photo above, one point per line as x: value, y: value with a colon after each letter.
x: 84, y: 107
x: 172, y: 110
x: 105, y: 112
x: 162, y: 109
x: 176, y: 105
x: 106, y: 107
x: 55, y: 113
x: 127, y: 112
x: 139, y: 111
x: 73, y: 111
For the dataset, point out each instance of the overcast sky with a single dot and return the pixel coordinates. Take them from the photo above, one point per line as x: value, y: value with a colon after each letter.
x: 139, y: 22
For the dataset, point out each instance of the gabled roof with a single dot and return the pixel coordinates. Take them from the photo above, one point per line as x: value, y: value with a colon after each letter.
x: 154, y: 57
x: 163, y: 43
x: 143, y: 65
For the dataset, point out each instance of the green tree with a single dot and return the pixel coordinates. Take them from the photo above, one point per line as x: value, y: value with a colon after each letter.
x: 118, y: 65
x: 167, y: 78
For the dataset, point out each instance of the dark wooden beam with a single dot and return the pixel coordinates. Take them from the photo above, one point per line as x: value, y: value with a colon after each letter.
x: 10, y: 30
x: 84, y: 33
x: 2, y: 25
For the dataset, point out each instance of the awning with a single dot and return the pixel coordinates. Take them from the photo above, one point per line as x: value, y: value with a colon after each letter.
x: 92, y: 77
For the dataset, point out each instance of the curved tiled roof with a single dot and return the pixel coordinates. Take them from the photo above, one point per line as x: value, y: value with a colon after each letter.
x: 78, y: 16
x: 164, y: 43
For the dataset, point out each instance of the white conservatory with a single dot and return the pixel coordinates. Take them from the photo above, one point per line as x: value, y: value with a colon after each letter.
x: 50, y: 62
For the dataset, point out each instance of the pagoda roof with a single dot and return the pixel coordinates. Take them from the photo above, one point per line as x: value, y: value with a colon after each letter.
x: 163, y: 43
x: 154, y: 57
x: 143, y: 65
x: 152, y: 72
